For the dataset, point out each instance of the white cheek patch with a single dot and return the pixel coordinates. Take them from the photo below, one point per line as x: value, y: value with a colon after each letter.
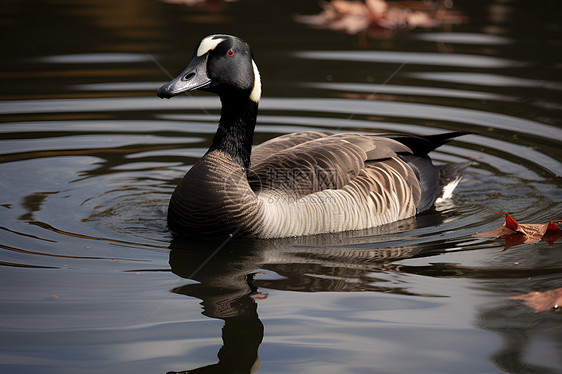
x: 255, y: 95
x: 208, y: 44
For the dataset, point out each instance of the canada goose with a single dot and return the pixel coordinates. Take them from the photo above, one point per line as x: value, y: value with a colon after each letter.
x: 297, y: 184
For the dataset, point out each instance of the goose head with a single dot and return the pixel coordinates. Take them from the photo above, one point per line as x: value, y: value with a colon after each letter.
x: 222, y: 64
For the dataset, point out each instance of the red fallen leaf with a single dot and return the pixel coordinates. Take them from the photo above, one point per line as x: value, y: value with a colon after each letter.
x: 527, y: 233
x: 509, y: 221
x: 550, y: 300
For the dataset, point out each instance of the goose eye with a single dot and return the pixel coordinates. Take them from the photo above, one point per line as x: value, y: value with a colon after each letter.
x: 230, y: 53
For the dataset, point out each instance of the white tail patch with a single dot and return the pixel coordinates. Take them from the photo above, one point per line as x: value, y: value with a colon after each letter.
x: 255, y: 95
x: 207, y: 44
x: 448, y: 190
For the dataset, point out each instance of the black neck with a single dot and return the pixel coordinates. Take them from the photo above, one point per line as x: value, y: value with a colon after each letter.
x: 236, y: 129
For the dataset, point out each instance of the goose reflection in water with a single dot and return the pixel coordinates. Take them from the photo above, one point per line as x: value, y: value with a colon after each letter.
x: 228, y: 288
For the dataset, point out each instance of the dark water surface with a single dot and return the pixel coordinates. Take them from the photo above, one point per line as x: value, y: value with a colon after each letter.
x: 92, y: 282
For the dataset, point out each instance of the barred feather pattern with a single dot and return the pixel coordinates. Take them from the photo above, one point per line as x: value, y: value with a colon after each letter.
x: 380, y: 194
x: 213, y: 199
x: 331, y: 183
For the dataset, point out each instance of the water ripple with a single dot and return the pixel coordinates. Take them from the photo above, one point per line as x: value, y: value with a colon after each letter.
x: 94, y: 58
x: 347, y: 106
x: 464, y: 38
x: 485, y: 80
x: 418, y: 58
x: 410, y: 90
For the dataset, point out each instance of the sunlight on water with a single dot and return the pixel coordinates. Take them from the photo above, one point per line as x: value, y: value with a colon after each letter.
x: 418, y: 58
x: 98, y: 58
x: 487, y: 80
x: 465, y: 38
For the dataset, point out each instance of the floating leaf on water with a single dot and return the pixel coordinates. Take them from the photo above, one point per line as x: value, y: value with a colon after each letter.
x: 527, y: 233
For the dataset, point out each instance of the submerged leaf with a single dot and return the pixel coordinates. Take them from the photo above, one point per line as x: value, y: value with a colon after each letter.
x: 527, y: 233
x: 550, y: 300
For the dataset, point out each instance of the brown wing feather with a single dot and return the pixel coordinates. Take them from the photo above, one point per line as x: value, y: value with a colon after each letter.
x: 272, y: 146
x: 302, y: 163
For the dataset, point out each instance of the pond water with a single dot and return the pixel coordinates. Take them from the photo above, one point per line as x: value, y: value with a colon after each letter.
x: 92, y: 282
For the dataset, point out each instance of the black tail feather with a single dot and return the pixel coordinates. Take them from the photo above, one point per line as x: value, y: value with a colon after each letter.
x: 422, y: 145
x: 435, y: 181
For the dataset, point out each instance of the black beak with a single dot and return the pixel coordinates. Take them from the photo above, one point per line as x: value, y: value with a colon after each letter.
x: 194, y: 77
